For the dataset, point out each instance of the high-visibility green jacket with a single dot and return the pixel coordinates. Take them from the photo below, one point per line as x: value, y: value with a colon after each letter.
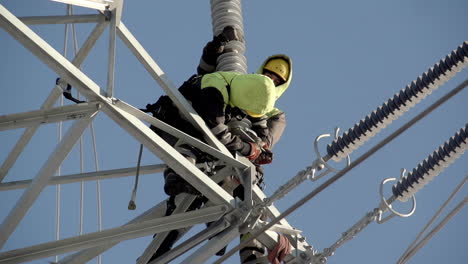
x: 276, y: 119
x: 211, y: 95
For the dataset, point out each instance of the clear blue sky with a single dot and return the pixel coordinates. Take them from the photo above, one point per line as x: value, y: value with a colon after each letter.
x: 349, y: 57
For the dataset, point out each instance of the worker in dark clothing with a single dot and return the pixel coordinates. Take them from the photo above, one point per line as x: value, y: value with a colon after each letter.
x: 279, y: 68
x: 219, y: 97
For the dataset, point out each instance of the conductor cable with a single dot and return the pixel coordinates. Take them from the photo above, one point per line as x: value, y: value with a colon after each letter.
x: 341, y: 173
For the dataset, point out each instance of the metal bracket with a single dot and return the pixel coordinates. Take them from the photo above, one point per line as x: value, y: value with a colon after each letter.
x: 280, y: 228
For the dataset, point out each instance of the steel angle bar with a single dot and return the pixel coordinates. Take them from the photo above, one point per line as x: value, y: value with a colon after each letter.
x: 180, y: 207
x: 111, y: 55
x: 54, y: 95
x: 114, y: 235
x: 271, y: 210
x: 150, y: 65
x: 26, y: 136
x: 47, y: 54
x: 42, y: 178
x: 44, y: 116
x: 270, y: 238
x: 158, y: 210
x: 93, y: 4
x: 89, y: 43
x: 210, y: 248
x: 133, y: 126
x: 156, y: 243
x: 88, y: 176
x: 169, y: 155
x: 70, y: 19
x: 117, y: 7
x: 228, y: 159
x: 198, y: 238
x: 86, y: 255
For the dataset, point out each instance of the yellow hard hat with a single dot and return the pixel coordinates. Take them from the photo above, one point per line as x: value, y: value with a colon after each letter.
x: 278, y: 66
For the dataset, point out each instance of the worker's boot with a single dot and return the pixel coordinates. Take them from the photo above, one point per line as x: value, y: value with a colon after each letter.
x: 174, y: 184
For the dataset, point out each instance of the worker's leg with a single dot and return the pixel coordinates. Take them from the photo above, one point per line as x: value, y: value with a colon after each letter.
x: 175, y: 235
x: 174, y: 183
x: 254, y: 250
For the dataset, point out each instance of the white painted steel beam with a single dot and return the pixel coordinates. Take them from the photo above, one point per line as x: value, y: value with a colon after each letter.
x: 214, y: 245
x: 44, y: 116
x: 111, y: 55
x: 56, y: 92
x: 131, y: 124
x: 185, y: 108
x: 70, y: 19
x: 89, y: 176
x: 190, y: 243
x: 80, y: 81
x: 114, y: 235
x: 86, y: 255
x: 228, y: 159
x: 94, y: 4
x: 26, y: 136
x: 273, y: 212
x: 169, y: 155
x: 156, y: 243
x: 47, y: 54
x: 118, y: 7
x: 42, y: 178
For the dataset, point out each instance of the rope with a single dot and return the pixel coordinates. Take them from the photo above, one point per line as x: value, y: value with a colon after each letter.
x: 98, y: 184
x: 96, y: 163
x: 132, y: 204
x: 406, y: 255
x: 345, y: 170
x: 75, y: 49
x: 436, y: 229
x: 59, y: 170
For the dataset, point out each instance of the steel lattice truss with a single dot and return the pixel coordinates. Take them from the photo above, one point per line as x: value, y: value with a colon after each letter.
x: 224, y: 209
x: 229, y: 216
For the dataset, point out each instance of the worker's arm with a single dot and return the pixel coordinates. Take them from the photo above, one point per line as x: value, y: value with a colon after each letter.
x: 276, y: 125
x: 210, y: 107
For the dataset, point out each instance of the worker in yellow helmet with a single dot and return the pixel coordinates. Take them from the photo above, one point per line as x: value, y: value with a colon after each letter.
x: 278, y: 67
x: 281, y: 65
x: 218, y: 97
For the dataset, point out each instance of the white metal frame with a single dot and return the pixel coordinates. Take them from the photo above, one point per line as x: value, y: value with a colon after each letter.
x: 129, y: 119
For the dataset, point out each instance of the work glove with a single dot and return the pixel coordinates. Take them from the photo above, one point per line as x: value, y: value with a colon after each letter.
x: 260, y: 153
x: 255, y: 151
x: 265, y: 157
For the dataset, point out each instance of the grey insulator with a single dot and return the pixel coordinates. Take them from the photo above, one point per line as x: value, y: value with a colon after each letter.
x: 399, y: 104
x: 446, y: 154
x: 229, y: 13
